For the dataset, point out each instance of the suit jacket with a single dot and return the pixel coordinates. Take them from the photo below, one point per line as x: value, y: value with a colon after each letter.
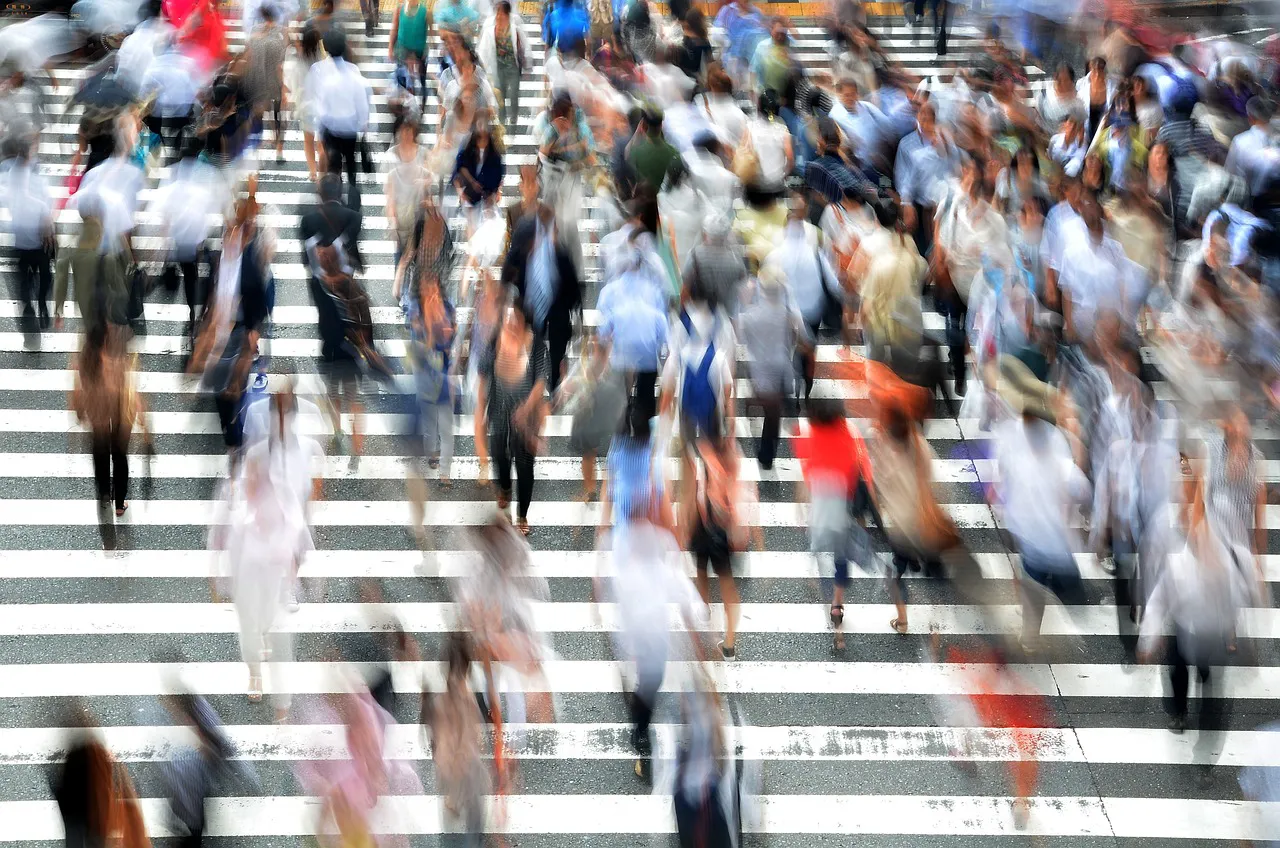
x: 330, y: 222
x: 568, y: 295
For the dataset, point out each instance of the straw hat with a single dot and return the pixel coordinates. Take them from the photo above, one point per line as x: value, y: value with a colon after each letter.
x: 1019, y: 387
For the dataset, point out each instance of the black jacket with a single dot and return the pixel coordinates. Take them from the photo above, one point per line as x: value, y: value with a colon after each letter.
x: 331, y: 222
x: 568, y: 297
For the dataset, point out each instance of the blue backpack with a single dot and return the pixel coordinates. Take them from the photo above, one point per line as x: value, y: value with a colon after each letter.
x: 698, y: 401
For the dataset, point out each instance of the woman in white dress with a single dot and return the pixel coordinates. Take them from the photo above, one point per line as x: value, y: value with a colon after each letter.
x: 265, y: 535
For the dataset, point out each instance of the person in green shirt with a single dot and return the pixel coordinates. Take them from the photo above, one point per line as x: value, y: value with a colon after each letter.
x: 97, y: 282
x: 649, y: 155
x: 772, y: 63
x: 408, y: 44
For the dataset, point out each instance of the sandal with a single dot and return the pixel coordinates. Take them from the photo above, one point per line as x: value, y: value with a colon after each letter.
x: 122, y: 510
x: 837, y: 614
x: 255, y: 689
x: 523, y: 526
x: 899, y: 626
x: 838, y: 643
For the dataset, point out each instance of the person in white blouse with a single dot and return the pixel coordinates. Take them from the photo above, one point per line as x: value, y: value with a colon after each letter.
x: 656, y: 600
x: 726, y: 117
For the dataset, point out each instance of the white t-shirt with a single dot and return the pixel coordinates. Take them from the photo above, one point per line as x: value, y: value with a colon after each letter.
x: 770, y: 139
x: 654, y: 595
x: 1039, y: 484
x: 1097, y: 278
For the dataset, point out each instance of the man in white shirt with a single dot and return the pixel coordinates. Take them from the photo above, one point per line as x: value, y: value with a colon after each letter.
x: 808, y: 272
x: 342, y: 104
x: 1063, y: 227
x: 718, y: 186
x: 175, y: 81
x: 139, y: 50
x: 1095, y: 278
x: 655, y: 601
x: 865, y: 127
x: 1254, y: 155
x: 25, y: 191
x: 1040, y: 486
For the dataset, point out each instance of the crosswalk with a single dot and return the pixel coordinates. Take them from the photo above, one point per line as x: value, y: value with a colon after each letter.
x: 856, y: 748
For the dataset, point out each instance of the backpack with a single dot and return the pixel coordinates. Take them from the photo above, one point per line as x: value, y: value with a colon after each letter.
x: 698, y: 401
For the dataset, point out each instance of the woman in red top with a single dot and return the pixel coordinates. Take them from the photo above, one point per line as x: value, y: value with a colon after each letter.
x: 836, y: 469
x: 202, y: 32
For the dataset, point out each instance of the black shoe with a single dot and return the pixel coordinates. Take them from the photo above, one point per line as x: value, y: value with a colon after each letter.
x: 46, y: 320
x: 727, y: 652
x: 1177, y: 724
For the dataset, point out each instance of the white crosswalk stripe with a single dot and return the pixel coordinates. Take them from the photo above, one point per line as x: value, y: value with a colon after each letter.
x: 848, y: 745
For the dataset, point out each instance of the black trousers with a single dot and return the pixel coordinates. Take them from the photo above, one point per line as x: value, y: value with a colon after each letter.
x: 557, y: 348
x: 111, y: 466
x: 508, y: 448
x: 35, y: 280
x: 643, y: 387
x: 956, y: 312
x: 172, y: 130
x: 770, y: 429
x: 941, y: 12
x: 192, y: 287
x: 342, y: 152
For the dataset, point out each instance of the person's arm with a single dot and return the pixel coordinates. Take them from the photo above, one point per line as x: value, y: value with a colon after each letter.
x: 362, y: 103
x: 395, y: 31
x: 61, y: 277
x: 1260, y: 520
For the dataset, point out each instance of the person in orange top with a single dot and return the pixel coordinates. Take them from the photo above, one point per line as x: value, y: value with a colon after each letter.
x: 837, y: 471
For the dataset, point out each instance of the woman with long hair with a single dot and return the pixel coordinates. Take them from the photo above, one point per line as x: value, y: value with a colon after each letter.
x: 478, y: 173
x: 406, y: 182
x: 510, y: 408
x: 106, y: 401
x: 454, y: 726
x: 303, y: 101
x: 95, y: 796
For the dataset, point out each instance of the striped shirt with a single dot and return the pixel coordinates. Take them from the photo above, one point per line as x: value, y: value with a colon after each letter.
x: 1231, y: 490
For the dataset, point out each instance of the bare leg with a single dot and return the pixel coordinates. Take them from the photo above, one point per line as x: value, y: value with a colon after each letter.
x: 729, y: 595
x: 588, y: 476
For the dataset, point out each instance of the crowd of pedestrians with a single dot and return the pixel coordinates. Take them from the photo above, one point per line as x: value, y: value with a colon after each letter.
x: 885, y: 248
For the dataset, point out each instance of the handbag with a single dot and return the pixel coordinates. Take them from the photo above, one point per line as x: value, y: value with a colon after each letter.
x: 746, y: 163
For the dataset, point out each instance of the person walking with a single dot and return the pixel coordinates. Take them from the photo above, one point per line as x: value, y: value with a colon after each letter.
x: 543, y: 272
x: 342, y: 105
x: 1040, y: 485
x: 510, y: 408
x: 837, y: 480
x: 654, y: 598
x: 1199, y: 591
x: 106, y: 401
x: 406, y: 183
x: 478, y: 173
x: 26, y: 195
x: 304, y: 98
x: 95, y: 797
x: 454, y: 725
x: 265, y: 535
x: 772, y: 329
x: 264, y: 75
x: 432, y: 326
x: 504, y: 53
x: 407, y: 45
